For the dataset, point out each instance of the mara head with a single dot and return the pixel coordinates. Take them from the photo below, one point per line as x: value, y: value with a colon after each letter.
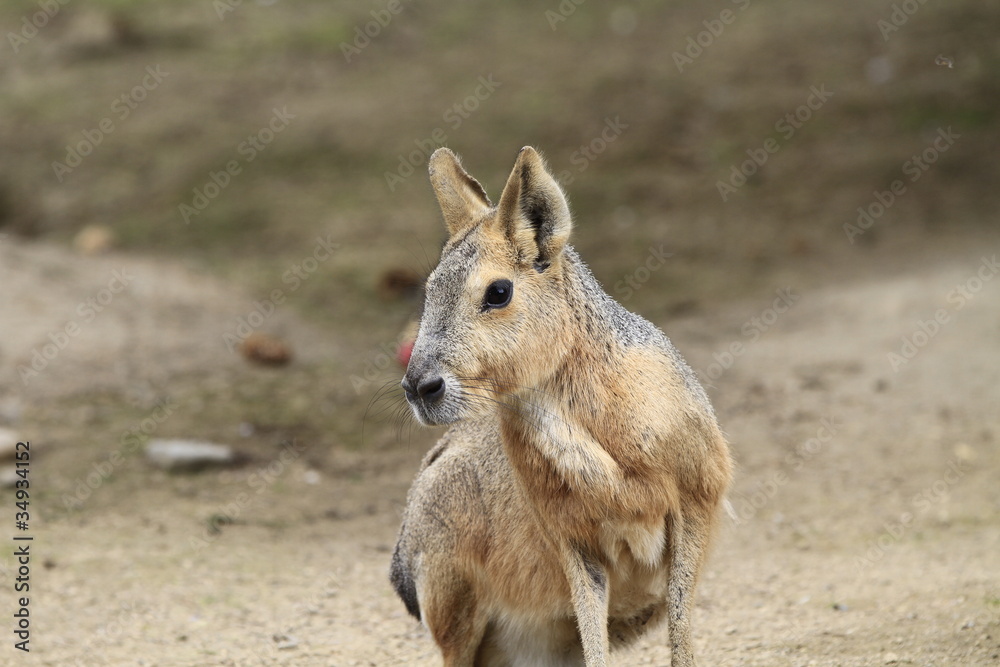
x: 495, y: 315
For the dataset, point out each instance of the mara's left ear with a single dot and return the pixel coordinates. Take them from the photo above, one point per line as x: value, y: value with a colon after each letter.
x: 533, y: 212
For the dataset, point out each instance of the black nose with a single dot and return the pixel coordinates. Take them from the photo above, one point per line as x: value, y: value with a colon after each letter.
x: 431, y: 389
x: 428, y: 389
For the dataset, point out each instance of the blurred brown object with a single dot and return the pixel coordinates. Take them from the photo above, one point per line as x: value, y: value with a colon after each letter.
x: 799, y: 246
x: 94, y: 240
x: 265, y: 349
x: 399, y: 284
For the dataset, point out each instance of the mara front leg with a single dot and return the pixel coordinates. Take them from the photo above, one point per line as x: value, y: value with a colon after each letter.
x: 588, y: 585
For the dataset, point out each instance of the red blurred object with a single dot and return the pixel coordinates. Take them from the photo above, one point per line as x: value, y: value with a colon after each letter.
x: 404, y: 351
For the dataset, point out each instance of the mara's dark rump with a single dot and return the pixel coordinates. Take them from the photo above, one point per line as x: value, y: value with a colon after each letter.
x: 402, y: 581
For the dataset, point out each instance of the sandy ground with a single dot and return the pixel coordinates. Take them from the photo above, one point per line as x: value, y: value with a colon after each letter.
x: 867, y: 529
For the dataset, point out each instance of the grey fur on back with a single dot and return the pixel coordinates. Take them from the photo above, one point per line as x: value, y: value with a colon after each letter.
x: 630, y: 329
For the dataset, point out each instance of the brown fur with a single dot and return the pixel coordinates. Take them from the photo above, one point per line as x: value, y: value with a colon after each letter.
x: 570, y: 506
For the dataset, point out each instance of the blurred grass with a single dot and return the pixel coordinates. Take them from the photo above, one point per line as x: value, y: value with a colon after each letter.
x: 354, y: 121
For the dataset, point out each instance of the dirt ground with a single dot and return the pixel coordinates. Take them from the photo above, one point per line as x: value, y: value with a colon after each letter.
x: 866, y: 529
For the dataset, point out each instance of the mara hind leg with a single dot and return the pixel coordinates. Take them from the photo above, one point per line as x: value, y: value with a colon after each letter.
x: 454, y: 617
x: 690, y: 534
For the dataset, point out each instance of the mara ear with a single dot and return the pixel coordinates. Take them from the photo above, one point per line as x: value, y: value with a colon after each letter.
x: 461, y: 197
x: 533, y: 212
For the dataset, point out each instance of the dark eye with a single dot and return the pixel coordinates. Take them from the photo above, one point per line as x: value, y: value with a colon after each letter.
x: 498, y: 294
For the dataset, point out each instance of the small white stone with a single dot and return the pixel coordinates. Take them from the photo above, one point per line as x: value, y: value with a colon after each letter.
x: 8, y: 477
x: 879, y: 70
x: 187, y: 454
x: 8, y: 443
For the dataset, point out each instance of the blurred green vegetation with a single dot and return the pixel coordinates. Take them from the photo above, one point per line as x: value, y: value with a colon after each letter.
x: 231, y: 64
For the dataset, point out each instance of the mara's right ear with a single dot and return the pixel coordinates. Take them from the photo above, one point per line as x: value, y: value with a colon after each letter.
x: 462, y: 199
